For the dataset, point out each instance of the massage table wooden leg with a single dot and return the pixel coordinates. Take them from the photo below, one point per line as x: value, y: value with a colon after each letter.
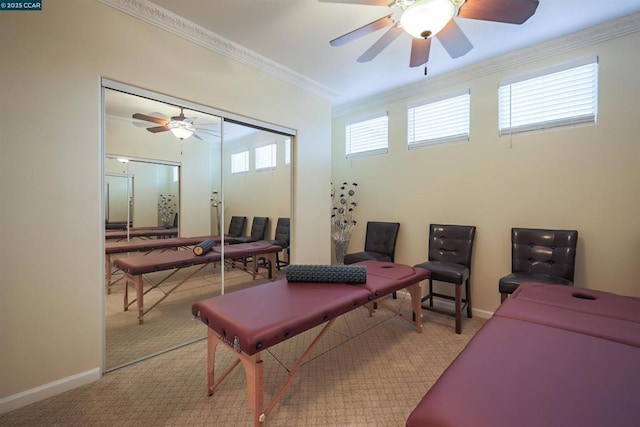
x: 138, y: 281
x: 139, y: 297
x: 108, y: 270
x: 254, y: 372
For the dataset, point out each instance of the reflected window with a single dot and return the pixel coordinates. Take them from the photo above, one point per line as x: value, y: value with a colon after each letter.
x: 287, y: 152
x: 266, y: 157
x: 240, y: 162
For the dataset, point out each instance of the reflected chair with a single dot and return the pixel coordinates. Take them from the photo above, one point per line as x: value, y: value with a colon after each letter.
x: 281, y: 238
x: 379, y: 243
x: 258, y: 230
x: 539, y: 255
x: 237, y: 226
x: 449, y: 261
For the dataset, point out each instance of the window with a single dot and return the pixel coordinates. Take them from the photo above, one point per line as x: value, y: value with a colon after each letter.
x: 240, y: 162
x: 287, y: 152
x: 367, y: 137
x: 443, y: 120
x: 174, y: 172
x: 266, y: 157
x: 564, y: 95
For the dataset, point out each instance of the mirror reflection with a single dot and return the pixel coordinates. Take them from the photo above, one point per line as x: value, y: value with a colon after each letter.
x: 176, y: 177
x: 141, y: 194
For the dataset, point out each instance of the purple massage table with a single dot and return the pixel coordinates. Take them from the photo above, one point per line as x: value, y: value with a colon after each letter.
x: 134, y: 268
x: 150, y: 245
x: 253, y: 319
x: 550, y: 356
x: 142, y: 233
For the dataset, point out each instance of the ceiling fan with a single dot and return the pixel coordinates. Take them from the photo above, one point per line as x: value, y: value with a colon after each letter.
x: 180, y: 126
x: 425, y: 19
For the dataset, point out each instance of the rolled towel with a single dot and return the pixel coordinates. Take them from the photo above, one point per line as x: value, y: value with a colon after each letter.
x: 327, y: 273
x: 204, y: 247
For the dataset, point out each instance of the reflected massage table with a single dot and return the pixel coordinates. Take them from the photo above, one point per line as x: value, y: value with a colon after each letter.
x: 251, y: 320
x: 148, y: 246
x: 550, y: 356
x: 134, y: 268
x: 142, y: 233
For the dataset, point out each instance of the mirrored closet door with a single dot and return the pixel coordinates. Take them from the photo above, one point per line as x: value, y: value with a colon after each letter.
x: 172, y: 170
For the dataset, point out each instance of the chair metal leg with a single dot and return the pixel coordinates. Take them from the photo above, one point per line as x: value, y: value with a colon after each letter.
x: 468, y: 296
x: 430, y: 292
x: 458, y: 309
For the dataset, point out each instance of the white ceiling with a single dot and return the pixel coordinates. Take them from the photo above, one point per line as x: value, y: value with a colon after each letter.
x: 296, y: 34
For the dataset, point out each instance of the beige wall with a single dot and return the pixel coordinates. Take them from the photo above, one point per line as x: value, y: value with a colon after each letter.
x: 51, y: 261
x: 585, y: 178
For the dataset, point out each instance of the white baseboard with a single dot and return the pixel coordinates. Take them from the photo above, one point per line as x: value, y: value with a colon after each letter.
x: 448, y: 305
x: 53, y: 388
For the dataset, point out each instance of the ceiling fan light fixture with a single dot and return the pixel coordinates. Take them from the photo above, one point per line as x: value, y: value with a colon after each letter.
x: 182, y: 129
x: 425, y: 18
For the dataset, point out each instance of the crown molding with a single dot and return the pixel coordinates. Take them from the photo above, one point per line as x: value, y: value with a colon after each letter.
x: 609, y: 30
x: 175, y: 24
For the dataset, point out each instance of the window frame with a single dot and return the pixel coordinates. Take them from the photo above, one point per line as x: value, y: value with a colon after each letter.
x: 246, y: 162
x: 451, y: 138
x: 372, y: 151
x: 506, y: 127
x: 273, y: 157
x: 287, y: 151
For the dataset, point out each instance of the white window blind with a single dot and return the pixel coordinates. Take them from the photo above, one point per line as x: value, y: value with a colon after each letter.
x: 440, y: 121
x: 287, y: 152
x: 240, y: 162
x: 367, y: 137
x: 564, y: 96
x: 266, y: 157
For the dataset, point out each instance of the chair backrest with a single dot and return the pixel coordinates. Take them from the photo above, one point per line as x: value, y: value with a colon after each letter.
x: 451, y: 243
x: 236, y: 226
x: 282, y: 233
x: 542, y: 251
x: 259, y: 227
x: 381, y: 237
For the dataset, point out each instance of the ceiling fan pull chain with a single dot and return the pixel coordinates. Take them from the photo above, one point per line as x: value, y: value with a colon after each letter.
x: 426, y: 48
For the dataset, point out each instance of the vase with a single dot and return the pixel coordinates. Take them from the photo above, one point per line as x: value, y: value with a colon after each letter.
x: 341, y: 247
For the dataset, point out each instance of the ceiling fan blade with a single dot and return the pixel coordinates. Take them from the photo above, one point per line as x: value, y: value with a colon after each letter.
x: 376, y: 25
x: 150, y: 118
x: 379, y: 45
x: 158, y: 129
x: 420, y: 49
x: 453, y: 40
x: 362, y: 2
x: 508, y: 11
x: 208, y: 131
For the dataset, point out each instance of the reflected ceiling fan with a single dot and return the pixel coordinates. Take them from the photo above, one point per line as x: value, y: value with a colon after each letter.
x: 425, y: 19
x: 180, y: 126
